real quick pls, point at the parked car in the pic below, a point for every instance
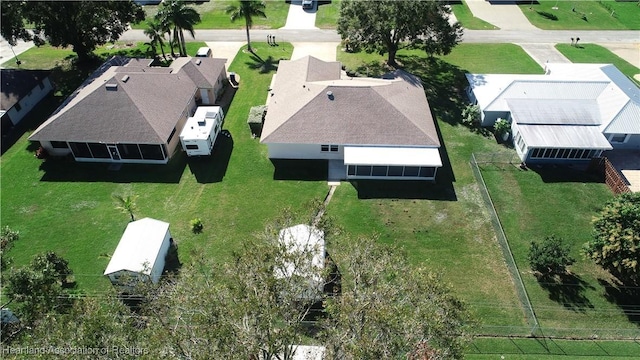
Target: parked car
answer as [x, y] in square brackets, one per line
[307, 4]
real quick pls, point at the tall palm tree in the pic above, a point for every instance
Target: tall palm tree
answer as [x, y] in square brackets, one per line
[247, 10]
[155, 32]
[174, 13]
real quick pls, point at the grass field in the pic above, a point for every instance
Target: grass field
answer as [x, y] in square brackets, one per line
[328, 14]
[213, 15]
[593, 53]
[551, 349]
[468, 21]
[583, 15]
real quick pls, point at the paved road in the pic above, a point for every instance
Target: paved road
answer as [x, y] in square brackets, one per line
[471, 36]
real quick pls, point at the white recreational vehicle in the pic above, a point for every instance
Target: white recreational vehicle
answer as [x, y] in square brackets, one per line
[201, 130]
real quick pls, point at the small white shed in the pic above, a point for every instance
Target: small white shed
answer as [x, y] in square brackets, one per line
[140, 253]
[201, 130]
[309, 241]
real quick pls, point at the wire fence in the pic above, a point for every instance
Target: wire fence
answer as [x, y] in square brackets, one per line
[498, 161]
[523, 297]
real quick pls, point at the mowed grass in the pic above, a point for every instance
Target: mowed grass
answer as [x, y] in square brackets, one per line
[551, 349]
[328, 14]
[583, 15]
[559, 201]
[593, 53]
[443, 226]
[68, 208]
[467, 20]
[213, 15]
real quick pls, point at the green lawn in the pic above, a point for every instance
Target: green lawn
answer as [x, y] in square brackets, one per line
[213, 15]
[558, 201]
[67, 207]
[593, 53]
[551, 349]
[583, 15]
[468, 21]
[446, 226]
[328, 14]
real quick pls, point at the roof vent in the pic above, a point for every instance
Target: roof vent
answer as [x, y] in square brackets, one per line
[198, 62]
[330, 94]
[125, 78]
[111, 87]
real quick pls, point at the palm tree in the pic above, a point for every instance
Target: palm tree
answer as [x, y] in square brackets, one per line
[155, 32]
[246, 10]
[174, 13]
[126, 204]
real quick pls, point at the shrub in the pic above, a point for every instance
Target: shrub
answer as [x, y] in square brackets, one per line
[501, 127]
[551, 256]
[471, 115]
[196, 225]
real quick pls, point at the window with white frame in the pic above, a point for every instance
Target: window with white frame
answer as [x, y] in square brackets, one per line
[619, 138]
[569, 154]
[329, 148]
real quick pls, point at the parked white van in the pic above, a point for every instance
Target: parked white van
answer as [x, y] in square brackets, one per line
[204, 52]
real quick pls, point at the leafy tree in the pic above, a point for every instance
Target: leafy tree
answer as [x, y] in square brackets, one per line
[616, 238]
[385, 26]
[240, 309]
[126, 204]
[247, 10]
[175, 14]
[156, 31]
[41, 287]
[389, 309]
[7, 238]
[12, 16]
[551, 256]
[84, 25]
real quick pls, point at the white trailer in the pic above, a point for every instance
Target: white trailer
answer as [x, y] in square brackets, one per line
[201, 130]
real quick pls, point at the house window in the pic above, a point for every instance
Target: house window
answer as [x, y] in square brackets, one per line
[411, 170]
[363, 170]
[351, 170]
[173, 132]
[152, 152]
[129, 151]
[99, 151]
[619, 138]
[18, 107]
[192, 147]
[59, 145]
[327, 148]
[379, 171]
[80, 150]
[395, 170]
[427, 172]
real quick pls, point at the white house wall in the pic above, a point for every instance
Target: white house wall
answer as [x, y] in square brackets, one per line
[490, 117]
[28, 102]
[632, 142]
[303, 151]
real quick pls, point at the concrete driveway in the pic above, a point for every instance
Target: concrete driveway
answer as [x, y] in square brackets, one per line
[225, 50]
[299, 18]
[543, 53]
[504, 16]
[322, 50]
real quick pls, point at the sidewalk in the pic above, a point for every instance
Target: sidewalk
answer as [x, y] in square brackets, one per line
[6, 52]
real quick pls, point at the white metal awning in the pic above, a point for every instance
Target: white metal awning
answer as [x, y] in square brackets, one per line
[369, 155]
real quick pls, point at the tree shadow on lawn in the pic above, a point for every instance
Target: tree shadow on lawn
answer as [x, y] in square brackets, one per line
[443, 83]
[264, 66]
[627, 298]
[212, 168]
[68, 170]
[568, 290]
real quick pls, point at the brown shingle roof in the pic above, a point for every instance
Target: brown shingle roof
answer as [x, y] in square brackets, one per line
[361, 111]
[143, 109]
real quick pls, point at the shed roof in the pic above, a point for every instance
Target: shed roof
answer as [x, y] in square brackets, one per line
[303, 240]
[16, 84]
[139, 246]
[311, 103]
